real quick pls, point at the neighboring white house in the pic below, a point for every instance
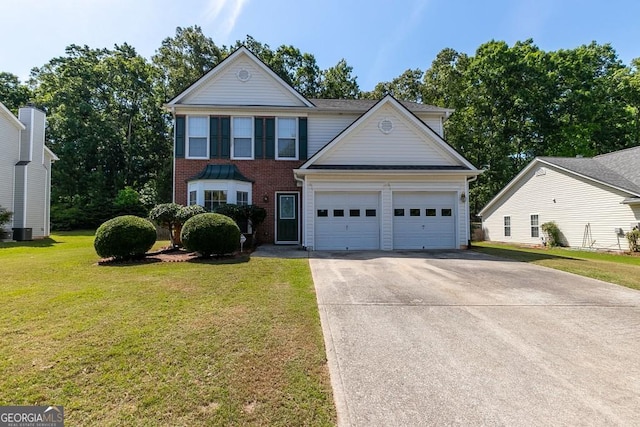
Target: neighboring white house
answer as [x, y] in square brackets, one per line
[594, 201]
[332, 174]
[25, 172]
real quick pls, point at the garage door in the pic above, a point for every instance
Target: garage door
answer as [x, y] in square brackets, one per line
[347, 221]
[424, 220]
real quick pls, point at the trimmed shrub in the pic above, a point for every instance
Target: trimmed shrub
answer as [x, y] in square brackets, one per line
[210, 234]
[125, 237]
[633, 237]
[554, 237]
[187, 212]
[5, 218]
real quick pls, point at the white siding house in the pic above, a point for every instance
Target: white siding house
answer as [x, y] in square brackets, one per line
[25, 171]
[594, 201]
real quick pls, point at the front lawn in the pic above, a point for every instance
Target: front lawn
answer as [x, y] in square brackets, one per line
[161, 343]
[621, 269]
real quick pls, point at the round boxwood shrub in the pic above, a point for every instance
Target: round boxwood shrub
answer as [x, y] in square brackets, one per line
[210, 234]
[125, 237]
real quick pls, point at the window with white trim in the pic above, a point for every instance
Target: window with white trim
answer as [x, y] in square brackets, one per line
[507, 226]
[242, 141]
[193, 198]
[287, 138]
[242, 198]
[214, 198]
[197, 137]
[535, 227]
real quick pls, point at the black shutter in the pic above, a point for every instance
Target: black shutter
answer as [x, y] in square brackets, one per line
[270, 138]
[214, 137]
[302, 138]
[259, 138]
[225, 124]
[180, 136]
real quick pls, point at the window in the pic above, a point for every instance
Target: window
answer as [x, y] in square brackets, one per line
[370, 212]
[322, 213]
[214, 198]
[192, 197]
[242, 145]
[338, 212]
[414, 212]
[198, 131]
[535, 231]
[242, 198]
[430, 212]
[398, 212]
[354, 212]
[287, 133]
[507, 226]
[445, 212]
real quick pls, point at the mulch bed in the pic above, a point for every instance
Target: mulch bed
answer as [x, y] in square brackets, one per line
[176, 255]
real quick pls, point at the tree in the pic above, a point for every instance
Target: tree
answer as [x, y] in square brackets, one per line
[184, 58]
[408, 87]
[13, 94]
[106, 125]
[337, 82]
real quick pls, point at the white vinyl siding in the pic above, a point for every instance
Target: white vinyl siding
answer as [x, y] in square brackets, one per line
[226, 89]
[572, 202]
[405, 144]
[10, 148]
[323, 128]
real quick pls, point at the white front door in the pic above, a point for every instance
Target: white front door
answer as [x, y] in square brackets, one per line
[424, 220]
[347, 220]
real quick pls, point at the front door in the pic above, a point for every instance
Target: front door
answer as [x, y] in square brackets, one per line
[287, 220]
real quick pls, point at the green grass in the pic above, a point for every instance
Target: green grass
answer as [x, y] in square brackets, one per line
[160, 343]
[620, 269]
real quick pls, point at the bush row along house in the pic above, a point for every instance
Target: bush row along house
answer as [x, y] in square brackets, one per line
[333, 174]
[25, 172]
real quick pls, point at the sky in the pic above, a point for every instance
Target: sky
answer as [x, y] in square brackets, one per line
[380, 39]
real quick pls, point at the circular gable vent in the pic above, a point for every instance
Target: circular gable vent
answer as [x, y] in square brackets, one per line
[385, 126]
[243, 74]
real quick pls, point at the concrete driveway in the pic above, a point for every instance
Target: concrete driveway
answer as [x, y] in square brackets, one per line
[460, 338]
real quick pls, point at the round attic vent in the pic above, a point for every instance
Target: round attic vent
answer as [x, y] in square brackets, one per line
[385, 126]
[243, 74]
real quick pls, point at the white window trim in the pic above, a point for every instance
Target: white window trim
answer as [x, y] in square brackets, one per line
[233, 139]
[296, 143]
[531, 226]
[228, 185]
[505, 226]
[187, 138]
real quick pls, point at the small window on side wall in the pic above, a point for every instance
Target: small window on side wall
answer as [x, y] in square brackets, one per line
[535, 227]
[507, 226]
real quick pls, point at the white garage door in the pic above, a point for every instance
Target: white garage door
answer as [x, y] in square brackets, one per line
[424, 220]
[347, 221]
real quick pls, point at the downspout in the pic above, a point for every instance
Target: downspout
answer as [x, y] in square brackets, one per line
[468, 213]
[173, 142]
[303, 233]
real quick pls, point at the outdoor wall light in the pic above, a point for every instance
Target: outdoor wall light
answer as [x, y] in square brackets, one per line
[463, 197]
[265, 198]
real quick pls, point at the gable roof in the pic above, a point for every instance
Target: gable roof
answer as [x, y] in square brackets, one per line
[4, 111]
[202, 81]
[618, 170]
[463, 164]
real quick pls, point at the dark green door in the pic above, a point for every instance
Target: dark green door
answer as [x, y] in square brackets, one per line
[287, 223]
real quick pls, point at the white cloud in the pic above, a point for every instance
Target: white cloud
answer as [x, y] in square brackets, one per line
[224, 14]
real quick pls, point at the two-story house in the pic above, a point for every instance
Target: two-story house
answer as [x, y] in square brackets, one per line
[333, 174]
[25, 172]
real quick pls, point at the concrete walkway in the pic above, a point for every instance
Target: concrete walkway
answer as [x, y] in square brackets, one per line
[460, 338]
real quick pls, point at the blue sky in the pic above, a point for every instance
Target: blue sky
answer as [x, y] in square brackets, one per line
[379, 38]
